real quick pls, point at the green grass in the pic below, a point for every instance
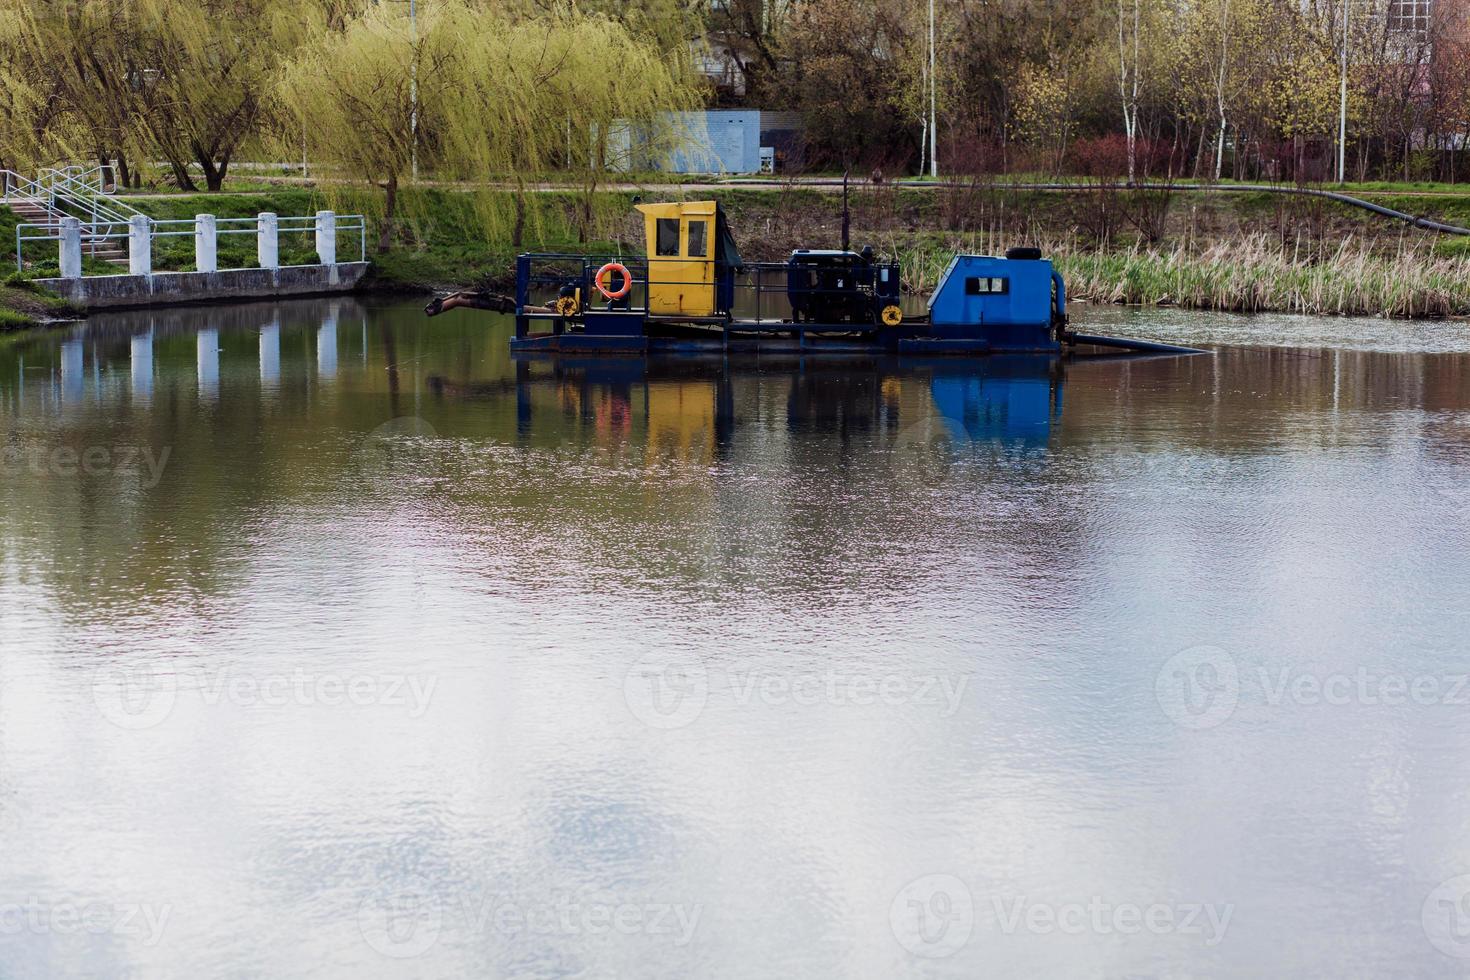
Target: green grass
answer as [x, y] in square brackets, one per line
[25, 304]
[1247, 251]
[15, 320]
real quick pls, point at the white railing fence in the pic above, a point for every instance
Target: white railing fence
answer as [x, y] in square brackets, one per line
[137, 234]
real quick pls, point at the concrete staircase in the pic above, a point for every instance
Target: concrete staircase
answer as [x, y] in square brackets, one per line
[31, 211]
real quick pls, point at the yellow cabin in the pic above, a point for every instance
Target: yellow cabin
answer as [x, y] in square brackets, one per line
[684, 240]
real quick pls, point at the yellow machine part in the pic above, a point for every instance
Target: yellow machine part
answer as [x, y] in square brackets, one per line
[680, 239]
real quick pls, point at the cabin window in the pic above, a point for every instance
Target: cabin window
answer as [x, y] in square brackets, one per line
[698, 239]
[986, 286]
[666, 238]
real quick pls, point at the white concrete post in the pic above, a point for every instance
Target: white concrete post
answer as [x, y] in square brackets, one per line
[71, 248]
[326, 237]
[206, 244]
[140, 246]
[267, 240]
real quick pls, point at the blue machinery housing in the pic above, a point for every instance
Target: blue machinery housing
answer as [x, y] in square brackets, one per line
[692, 293]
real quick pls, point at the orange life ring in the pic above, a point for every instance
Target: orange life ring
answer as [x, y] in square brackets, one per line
[602, 273]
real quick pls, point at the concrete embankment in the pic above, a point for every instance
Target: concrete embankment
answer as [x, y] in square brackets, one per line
[165, 288]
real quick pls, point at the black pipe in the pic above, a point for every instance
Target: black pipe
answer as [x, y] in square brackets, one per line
[1124, 343]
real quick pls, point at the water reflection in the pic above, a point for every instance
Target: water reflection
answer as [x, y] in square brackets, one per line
[140, 364]
[207, 343]
[895, 619]
[270, 355]
[695, 407]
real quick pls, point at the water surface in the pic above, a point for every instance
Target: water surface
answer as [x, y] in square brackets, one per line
[335, 640]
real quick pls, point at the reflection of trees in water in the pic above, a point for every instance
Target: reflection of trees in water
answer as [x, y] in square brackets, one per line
[717, 472]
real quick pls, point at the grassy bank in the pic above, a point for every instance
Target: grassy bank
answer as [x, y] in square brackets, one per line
[24, 304]
[1242, 252]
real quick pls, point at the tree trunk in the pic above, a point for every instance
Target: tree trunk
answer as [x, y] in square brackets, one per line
[390, 206]
[214, 176]
[181, 176]
[123, 173]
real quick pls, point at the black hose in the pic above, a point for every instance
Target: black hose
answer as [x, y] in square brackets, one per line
[1122, 343]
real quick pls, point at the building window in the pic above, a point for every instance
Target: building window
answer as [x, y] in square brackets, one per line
[667, 238]
[1409, 15]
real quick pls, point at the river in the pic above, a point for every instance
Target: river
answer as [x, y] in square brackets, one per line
[335, 640]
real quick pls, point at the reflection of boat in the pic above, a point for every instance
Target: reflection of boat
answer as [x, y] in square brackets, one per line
[690, 407]
[1016, 398]
[692, 293]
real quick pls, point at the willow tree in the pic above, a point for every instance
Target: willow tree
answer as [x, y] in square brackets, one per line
[183, 81]
[209, 65]
[568, 91]
[69, 79]
[480, 93]
[26, 106]
[369, 97]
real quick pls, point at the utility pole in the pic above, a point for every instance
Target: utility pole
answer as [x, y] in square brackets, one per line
[1342, 101]
[413, 88]
[933, 99]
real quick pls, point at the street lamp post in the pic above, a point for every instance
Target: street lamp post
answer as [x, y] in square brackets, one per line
[933, 98]
[413, 89]
[1342, 101]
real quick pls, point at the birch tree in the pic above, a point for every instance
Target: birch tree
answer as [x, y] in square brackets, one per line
[1130, 68]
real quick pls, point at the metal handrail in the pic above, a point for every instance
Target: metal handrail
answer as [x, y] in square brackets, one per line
[93, 232]
[73, 172]
[20, 187]
[87, 197]
[15, 182]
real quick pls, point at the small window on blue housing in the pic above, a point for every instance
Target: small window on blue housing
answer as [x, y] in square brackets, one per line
[983, 286]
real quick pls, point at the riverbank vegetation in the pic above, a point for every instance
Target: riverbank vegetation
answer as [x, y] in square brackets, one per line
[1245, 252]
[25, 304]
